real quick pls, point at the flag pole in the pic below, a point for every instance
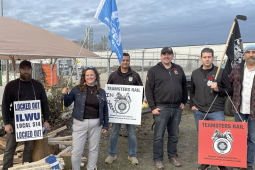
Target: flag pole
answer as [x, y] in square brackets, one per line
[76, 61]
[79, 54]
[241, 17]
[226, 46]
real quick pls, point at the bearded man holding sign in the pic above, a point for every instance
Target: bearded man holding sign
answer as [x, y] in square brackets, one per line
[22, 89]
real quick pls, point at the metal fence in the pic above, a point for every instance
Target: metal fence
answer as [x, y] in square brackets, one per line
[188, 57]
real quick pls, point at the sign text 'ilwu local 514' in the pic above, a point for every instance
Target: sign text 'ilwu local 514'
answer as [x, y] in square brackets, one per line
[124, 103]
[28, 122]
[222, 143]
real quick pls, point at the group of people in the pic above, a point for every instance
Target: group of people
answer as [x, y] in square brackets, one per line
[166, 93]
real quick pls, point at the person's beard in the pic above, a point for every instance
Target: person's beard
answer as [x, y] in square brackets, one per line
[250, 60]
[25, 76]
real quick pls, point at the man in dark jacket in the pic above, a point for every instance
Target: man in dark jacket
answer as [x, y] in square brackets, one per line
[243, 79]
[124, 76]
[22, 89]
[201, 97]
[166, 93]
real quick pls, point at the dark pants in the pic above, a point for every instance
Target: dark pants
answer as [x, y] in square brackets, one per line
[169, 118]
[250, 137]
[9, 151]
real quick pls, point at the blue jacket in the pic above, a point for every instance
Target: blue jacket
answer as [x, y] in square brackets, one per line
[79, 105]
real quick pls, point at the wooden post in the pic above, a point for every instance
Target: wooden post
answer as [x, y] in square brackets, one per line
[41, 149]
[67, 159]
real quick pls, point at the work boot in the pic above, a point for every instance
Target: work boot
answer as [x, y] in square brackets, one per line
[203, 167]
[173, 160]
[110, 159]
[159, 165]
[133, 160]
[250, 168]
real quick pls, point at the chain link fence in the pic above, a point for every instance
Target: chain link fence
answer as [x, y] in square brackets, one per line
[141, 60]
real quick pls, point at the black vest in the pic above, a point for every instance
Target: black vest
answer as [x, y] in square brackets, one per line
[203, 97]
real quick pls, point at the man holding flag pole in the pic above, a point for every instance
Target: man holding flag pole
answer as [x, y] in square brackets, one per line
[234, 51]
[242, 77]
[243, 80]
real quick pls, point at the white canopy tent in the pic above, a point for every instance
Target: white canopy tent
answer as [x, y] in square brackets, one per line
[22, 41]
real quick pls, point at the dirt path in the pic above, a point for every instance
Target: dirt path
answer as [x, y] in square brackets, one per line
[187, 146]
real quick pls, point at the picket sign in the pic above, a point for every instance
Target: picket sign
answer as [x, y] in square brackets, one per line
[222, 143]
[28, 121]
[124, 103]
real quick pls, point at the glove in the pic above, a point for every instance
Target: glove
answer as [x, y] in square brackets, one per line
[54, 164]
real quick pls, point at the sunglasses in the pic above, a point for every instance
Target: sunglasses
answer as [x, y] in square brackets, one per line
[89, 67]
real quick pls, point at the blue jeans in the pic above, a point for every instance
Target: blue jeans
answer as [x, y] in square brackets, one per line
[219, 116]
[169, 118]
[251, 136]
[132, 143]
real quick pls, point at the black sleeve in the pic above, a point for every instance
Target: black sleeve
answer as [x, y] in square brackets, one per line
[140, 83]
[192, 92]
[106, 115]
[44, 104]
[225, 85]
[149, 90]
[184, 88]
[110, 79]
[6, 102]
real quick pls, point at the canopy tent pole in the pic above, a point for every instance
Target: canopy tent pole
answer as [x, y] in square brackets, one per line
[13, 65]
[2, 11]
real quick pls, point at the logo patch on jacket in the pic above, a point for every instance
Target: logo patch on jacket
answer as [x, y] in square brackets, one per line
[209, 83]
[175, 71]
[130, 78]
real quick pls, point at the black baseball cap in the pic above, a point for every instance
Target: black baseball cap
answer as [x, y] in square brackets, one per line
[25, 63]
[167, 49]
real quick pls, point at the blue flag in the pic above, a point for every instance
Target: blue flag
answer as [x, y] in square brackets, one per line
[107, 12]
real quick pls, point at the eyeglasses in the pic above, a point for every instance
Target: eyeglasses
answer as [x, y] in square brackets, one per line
[248, 52]
[89, 67]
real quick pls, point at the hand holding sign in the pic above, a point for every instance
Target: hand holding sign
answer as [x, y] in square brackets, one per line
[47, 125]
[8, 128]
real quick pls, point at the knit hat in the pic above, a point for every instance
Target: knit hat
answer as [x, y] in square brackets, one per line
[249, 47]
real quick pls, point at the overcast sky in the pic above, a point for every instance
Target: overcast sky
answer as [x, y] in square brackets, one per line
[143, 23]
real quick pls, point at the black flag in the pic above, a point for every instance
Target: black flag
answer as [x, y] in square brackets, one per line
[235, 49]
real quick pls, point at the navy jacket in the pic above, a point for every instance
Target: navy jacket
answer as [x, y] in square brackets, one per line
[79, 105]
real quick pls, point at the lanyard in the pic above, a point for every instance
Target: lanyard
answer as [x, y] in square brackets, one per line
[32, 86]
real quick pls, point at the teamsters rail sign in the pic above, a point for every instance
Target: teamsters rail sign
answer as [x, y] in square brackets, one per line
[124, 103]
[28, 122]
[222, 143]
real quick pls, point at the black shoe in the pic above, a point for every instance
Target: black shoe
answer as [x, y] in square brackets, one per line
[224, 168]
[250, 168]
[203, 167]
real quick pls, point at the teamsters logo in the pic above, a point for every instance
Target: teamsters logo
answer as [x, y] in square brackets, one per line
[222, 142]
[122, 103]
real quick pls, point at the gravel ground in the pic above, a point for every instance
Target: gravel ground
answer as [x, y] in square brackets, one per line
[187, 146]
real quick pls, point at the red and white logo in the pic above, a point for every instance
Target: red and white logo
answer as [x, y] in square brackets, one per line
[175, 71]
